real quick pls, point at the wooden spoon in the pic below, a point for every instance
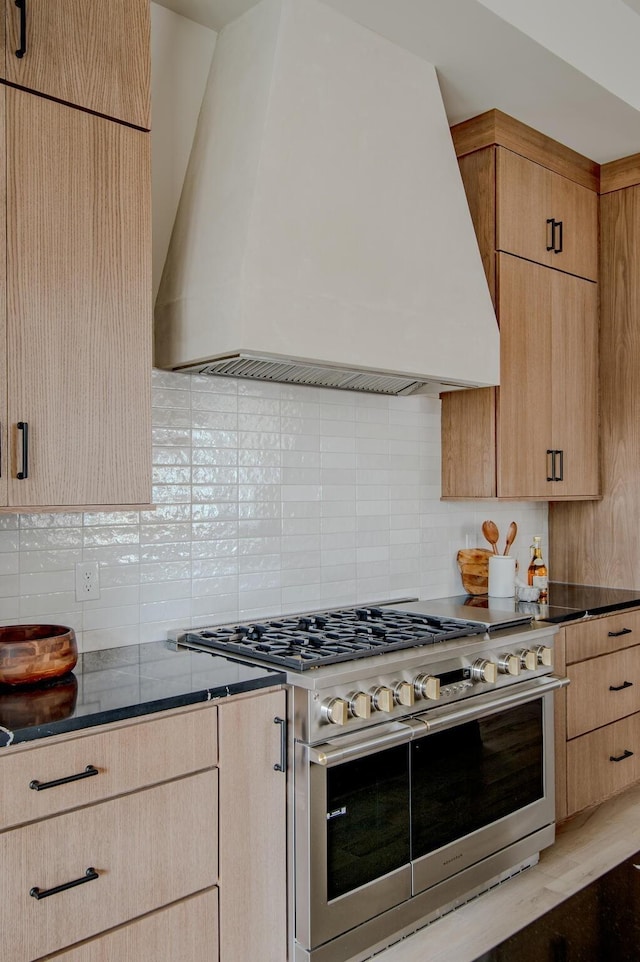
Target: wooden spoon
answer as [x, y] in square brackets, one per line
[491, 533]
[511, 536]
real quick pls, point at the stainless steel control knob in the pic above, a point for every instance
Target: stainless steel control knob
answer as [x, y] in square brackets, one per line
[383, 699]
[404, 694]
[483, 670]
[335, 710]
[427, 686]
[360, 704]
[509, 664]
[528, 659]
[544, 654]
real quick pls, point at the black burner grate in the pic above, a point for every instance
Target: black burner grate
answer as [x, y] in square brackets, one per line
[310, 641]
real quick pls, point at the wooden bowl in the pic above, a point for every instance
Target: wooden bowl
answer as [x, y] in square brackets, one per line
[33, 653]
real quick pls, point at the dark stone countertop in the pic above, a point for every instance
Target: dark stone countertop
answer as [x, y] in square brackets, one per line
[565, 602]
[118, 683]
[569, 602]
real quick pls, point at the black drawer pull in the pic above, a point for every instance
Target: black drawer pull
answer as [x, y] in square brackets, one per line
[88, 876]
[40, 786]
[616, 634]
[625, 684]
[22, 49]
[620, 758]
[281, 766]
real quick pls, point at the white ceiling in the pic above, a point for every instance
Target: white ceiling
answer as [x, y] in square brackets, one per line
[483, 62]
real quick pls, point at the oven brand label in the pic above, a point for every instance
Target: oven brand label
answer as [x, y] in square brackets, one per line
[337, 813]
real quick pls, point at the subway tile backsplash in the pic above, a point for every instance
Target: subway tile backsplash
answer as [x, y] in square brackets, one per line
[269, 498]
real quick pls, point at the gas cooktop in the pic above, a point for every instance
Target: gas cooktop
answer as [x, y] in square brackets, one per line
[312, 640]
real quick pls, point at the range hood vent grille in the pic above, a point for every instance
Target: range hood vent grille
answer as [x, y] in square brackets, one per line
[286, 371]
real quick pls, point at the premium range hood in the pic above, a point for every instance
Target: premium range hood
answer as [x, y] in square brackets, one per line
[323, 236]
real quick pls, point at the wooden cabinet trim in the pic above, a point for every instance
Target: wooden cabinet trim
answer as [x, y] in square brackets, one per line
[619, 174]
[496, 127]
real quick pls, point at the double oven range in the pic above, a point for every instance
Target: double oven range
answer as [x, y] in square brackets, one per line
[422, 760]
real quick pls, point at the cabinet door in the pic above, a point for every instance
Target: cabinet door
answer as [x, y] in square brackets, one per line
[78, 305]
[528, 197]
[574, 380]
[253, 837]
[524, 416]
[91, 54]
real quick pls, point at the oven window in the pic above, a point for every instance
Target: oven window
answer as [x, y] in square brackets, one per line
[473, 774]
[367, 819]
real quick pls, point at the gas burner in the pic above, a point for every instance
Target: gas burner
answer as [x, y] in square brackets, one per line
[308, 641]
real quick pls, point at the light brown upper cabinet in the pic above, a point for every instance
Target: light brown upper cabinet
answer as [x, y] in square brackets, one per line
[545, 217]
[77, 309]
[90, 53]
[536, 436]
[547, 404]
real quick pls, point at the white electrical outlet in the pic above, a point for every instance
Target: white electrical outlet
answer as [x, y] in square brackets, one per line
[87, 581]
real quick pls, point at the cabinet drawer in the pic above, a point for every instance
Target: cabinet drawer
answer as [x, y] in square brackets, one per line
[602, 635]
[148, 849]
[592, 774]
[603, 690]
[126, 759]
[186, 931]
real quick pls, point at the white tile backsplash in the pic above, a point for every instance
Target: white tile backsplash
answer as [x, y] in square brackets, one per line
[269, 498]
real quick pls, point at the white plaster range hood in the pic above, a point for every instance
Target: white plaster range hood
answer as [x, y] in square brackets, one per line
[323, 236]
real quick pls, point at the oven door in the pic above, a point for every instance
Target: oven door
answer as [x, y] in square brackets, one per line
[383, 815]
[482, 777]
[352, 831]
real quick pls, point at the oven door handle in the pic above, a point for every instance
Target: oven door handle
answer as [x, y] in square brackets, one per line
[329, 755]
[437, 720]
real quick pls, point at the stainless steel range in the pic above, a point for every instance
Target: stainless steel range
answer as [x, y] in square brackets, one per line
[422, 760]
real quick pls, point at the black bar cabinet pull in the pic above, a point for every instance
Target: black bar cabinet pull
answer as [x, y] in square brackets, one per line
[22, 49]
[559, 248]
[551, 233]
[616, 634]
[24, 473]
[625, 684]
[620, 758]
[40, 786]
[560, 475]
[88, 876]
[281, 766]
[551, 472]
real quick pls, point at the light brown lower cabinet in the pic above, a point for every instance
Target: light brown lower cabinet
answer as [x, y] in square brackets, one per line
[598, 715]
[173, 848]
